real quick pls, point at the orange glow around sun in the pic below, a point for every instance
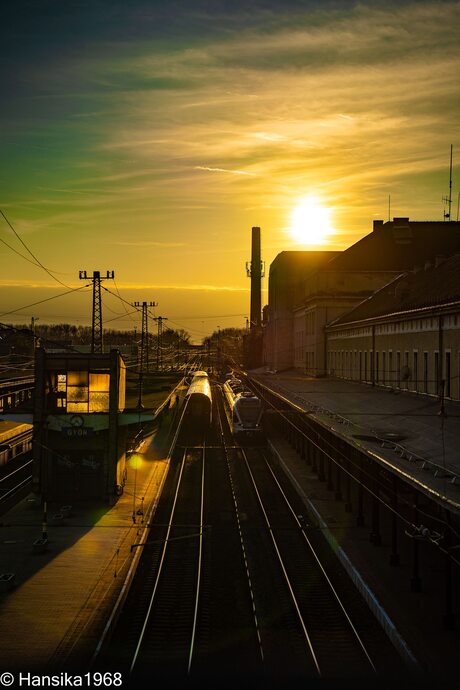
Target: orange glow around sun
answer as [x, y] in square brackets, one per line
[311, 222]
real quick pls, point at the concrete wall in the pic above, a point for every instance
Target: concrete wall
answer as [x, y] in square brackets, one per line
[413, 354]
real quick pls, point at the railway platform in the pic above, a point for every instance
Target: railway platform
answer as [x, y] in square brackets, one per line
[54, 597]
[412, 617]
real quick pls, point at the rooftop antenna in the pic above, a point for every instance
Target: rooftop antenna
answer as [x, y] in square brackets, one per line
[448, 199]
[389, 207]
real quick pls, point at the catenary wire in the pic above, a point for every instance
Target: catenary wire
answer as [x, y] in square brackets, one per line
[38, 262]
[42, 301]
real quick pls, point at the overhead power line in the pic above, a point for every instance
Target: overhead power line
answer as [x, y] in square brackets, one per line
[48, 299]
[38, 262]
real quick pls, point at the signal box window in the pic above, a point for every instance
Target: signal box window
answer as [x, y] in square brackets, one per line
[81, 391]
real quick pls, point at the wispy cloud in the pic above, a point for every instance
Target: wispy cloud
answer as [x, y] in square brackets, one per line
[223, 170]
[186, 288]
[350, 101]
[168, 245]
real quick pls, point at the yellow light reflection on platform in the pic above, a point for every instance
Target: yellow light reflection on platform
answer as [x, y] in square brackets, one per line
[136, 461]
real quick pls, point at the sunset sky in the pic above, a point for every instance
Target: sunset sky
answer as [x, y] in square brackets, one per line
[149, 137]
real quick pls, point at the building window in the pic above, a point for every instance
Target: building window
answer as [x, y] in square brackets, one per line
[415, 372]
[398, 369]
[425, 372]
[384, 364]
[447, 388]
[458, 375]
[365, 365]
[361, 366]
[390, 367]
[61, 390]
[80, 391]
[406, 370]
[99, 385]
[77, 391]
[377, 367]
[436, 373]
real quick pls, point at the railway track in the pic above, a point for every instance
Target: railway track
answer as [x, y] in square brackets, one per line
[232, 581]
[315, 615]
[167, 635]
[15, 482]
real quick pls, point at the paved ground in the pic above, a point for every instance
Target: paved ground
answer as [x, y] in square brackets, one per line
[417, 616]
[58, 593]
[427, 443]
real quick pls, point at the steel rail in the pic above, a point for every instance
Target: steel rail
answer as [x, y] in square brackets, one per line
[160, 567]
[16, 488]
[333, 590]
[130, 575]
[19, 469]
[283, 568]
[235, 502]
[200, 553]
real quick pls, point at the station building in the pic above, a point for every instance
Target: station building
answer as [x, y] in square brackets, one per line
[405, 336]
[289, 276]
[79, 441]
[310, 290]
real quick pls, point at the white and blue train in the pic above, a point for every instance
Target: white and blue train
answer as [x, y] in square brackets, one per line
[243, 409]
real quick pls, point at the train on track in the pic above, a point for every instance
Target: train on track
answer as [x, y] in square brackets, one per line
[15, 440]
[243, 409]
[199, 402]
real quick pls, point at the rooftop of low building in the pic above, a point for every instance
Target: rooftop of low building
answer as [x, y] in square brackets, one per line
[433, 284]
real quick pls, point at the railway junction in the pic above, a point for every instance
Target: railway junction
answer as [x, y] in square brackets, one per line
[225, 584]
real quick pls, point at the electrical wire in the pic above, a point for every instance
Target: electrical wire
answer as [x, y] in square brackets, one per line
[48, 299]
[116, 318]
[28, 332]
[212, 316]
[18, 253]
[356, 467]
[38, 262]
[120, 297]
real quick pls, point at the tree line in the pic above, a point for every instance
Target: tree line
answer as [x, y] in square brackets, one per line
[19, 339]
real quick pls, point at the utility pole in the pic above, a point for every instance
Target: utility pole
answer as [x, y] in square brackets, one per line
[159, 320]
[208, 347]
[32, 328]
[96, 331]
[448, 199]
[144, 353]
[144, 349]
[218, 350]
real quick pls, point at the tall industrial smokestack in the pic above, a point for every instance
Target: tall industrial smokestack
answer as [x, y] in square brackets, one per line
[254, 270]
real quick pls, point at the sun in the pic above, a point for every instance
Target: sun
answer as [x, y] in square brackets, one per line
[311, 222]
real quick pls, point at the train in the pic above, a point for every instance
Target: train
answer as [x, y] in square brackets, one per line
[199, 402]
[200, 375]
[243, 409]
[15, 440]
